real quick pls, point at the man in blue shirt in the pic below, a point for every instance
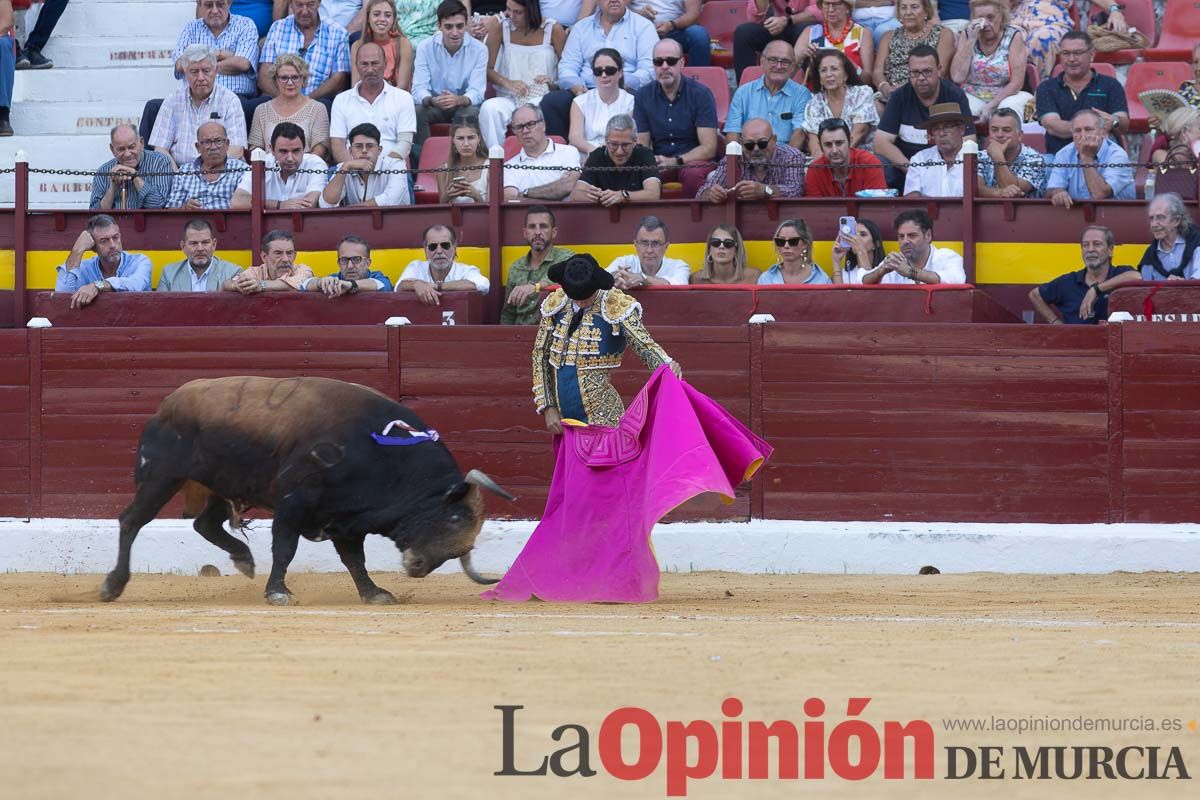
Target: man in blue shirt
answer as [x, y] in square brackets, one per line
[1092, 167]
[110, 270]
[323, 44]
[354, 273]
[1081, 297]
[449, 72]
[774, 97]
[613, 25]
[1079, 86]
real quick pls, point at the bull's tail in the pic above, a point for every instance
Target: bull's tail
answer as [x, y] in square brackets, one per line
[196, 497]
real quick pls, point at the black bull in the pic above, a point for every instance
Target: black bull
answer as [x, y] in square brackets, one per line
[301, 448]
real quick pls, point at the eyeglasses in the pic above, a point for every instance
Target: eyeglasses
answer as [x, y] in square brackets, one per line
[288, 78]
[211, 142]
[619, 145]
[779, 62]
[434, 246]
[719, 243]
[1161, 217]
[922, 73]
[752, 145]
[669, 61]
[525, 126]
[1074, 53]
[607, 71]
[790, 241]
[345, 261]
[649, 243]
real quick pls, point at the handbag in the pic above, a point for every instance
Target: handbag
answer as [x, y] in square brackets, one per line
[1177, 173]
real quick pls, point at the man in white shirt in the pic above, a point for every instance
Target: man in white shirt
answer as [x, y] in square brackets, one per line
[440, 273]
[650, 266]
[283, 185]
[917, 261]
[367, 177]
[373, 100]
[938, 171]
[540, 151]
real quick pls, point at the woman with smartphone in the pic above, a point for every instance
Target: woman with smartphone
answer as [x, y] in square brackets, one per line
[856, 254]
[466, 177]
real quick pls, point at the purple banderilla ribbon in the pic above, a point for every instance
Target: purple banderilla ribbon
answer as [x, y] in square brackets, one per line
[414, 436]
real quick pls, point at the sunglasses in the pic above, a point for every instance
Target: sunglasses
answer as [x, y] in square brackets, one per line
[791, 241]
[752, 145]
[718, 243]
[607, 71]
[434, 246]
[669, 61]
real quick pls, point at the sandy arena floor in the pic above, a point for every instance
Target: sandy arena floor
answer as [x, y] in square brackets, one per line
[193, 687]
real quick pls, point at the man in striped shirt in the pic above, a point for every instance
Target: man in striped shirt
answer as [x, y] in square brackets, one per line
[202, 100]
[232, 36]
[140, 178]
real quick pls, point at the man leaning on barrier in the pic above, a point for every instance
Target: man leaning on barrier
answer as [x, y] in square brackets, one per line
[354, 273]
[136, 177]
[1174, 254]
[201, 271]
[770, 169]
[110, 270]
[917, 260]
[441, 272]
[369, 177]
[543, 169]
[1081, 297]
[293, 179]
[1091, 167]
[620, 172]
[209, 181]
[649, 266]
[528, 275]
[278, 272]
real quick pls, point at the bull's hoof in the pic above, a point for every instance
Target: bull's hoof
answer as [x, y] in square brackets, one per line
[380, 598]
[280, 599]
[110, 590]
[246, 567]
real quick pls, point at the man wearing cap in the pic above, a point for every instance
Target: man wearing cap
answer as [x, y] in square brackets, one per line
[937, 171]
[585, 327]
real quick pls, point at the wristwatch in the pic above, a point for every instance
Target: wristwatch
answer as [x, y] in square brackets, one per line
[1114, 8]
[769, 191]
[625, 194]
[438, 284]
[262, 286]
[679, 161]
[537, 286]
[353, 287]
[100, 285]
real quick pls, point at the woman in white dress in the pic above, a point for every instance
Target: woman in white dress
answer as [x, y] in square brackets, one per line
[523, 51]
[591, 111]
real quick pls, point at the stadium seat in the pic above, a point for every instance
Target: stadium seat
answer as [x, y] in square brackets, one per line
[1100, 67]
[512, 144]
[434, 153]
[1139, 14]
[720, 18]
[715, 79]
[1180, 32]
[1145, 75]
[1035, 140]
[750, 74]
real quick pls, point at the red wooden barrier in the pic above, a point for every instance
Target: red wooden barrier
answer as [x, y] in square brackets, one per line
[1174, 300]
[14, 424]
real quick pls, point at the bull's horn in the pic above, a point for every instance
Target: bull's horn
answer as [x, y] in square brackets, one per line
[477, 478]
[472, 574]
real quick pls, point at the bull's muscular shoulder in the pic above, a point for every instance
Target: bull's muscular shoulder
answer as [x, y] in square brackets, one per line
[616, 306]
[554, 303]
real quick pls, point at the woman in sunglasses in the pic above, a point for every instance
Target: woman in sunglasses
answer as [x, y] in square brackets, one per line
[591, 111]
[725, 259]
[793, 244]
[854, 259]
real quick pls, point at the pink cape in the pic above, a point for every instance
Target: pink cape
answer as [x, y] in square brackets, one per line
[611, 485]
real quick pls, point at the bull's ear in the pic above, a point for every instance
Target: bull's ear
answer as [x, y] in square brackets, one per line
[457, 492]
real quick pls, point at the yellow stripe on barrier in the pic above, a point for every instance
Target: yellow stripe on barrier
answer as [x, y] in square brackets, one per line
[7, 269]
[1033, 262]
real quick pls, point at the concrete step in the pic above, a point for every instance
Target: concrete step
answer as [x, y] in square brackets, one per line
[40, 119]
[112, 85]
[117, 51]
[98, 20]
[77, 152]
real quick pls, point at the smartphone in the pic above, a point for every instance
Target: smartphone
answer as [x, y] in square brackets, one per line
[460, 179]
[847, 230]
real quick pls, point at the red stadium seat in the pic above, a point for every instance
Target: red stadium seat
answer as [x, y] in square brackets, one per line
[512, 144]
[1035, 140]
[1145, 75]
[750, 74]
[720, 18]
[434, 153]
[1100, 67]
[1180, 32]
[715, 79]
[1139, 14]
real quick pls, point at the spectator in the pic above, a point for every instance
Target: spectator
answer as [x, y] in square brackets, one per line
[279, 271]
[604, 182]
[260, 12]
[381, 29]
[200, 101]
[954, 14]
[1008, 167]
[234, 40]
[450, 73]
[855, 258]
[200, 270]
[1081, 297]
[677, 117]
[725, 260]
[1046, 23]
[837, 31]
[918, 28]
[538, 151]
[675, 20]
[368, 177]
[793, 245]
[900, 135]
[878, 16]
[209, 181]
[917, 261]
[843, 96]
[591, 111]
[1092, 167]
[294, 178]
[8, 37]
[1172, 254]
[418, 19]
[769, 170]
[321, 43]
[770, 21]
[466, 177]
[354, 273]
[613, 25]
[1180, 129]
[290, 72]
[1078, 87]
[347, 14]
[938, 171]
[649, 266]
[30, 55]
[140, 178]
[523, 51]
[774, 97]
[564, 12]
[110, 270]
[527, 275]
[989, 61]
[441, 273]
[841, 170]
[376, 101]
